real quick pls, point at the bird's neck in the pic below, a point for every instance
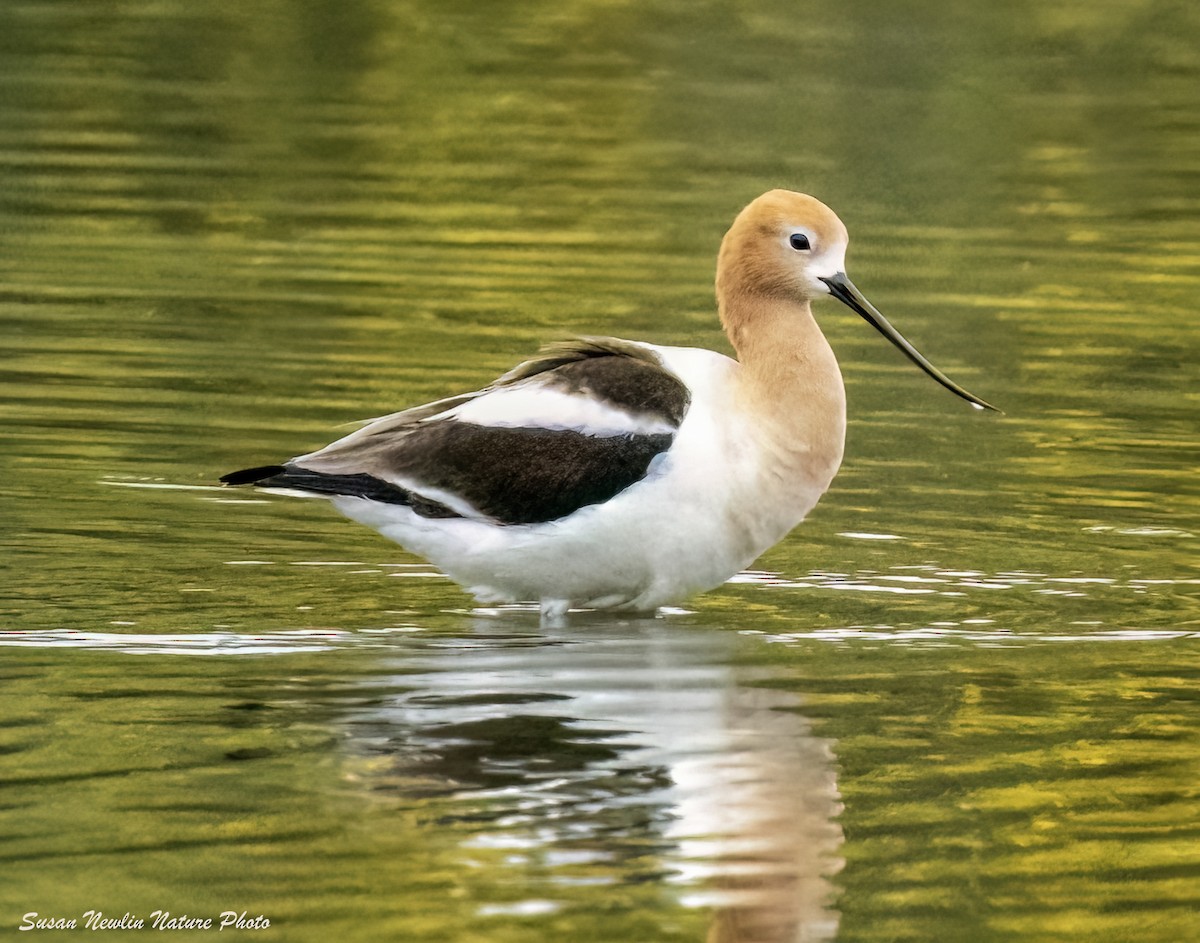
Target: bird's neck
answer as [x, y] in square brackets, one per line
[789, 387]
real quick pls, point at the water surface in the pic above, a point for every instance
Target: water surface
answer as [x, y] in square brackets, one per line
[958, 702]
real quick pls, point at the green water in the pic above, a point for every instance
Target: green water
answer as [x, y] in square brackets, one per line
[958, 703]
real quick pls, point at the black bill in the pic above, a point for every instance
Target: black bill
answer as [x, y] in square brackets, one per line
[844, 291]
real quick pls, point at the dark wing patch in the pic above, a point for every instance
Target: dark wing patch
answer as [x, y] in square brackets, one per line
[523, 476]
[513, 476]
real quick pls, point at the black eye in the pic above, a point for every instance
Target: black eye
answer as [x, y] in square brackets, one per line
[799, 242]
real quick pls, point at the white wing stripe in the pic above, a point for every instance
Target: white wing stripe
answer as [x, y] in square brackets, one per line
[454, 502]
[538, 406]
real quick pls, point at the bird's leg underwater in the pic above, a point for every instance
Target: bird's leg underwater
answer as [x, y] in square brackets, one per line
[554, 613]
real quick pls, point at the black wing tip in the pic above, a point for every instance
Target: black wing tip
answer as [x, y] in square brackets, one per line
[352, 486]
[249, 476]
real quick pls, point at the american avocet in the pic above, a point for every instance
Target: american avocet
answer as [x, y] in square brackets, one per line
[609, 473]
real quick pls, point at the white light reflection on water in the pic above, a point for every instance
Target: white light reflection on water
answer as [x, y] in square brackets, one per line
[191, 643]
[931, 580]
[951, 634]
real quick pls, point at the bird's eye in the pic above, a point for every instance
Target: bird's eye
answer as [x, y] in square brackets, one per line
[799, 242]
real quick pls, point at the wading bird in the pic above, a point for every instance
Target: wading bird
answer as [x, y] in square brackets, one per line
[608, 473]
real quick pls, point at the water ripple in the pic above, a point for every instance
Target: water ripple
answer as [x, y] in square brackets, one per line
[200, 643]
[933, 580]
[946, 634]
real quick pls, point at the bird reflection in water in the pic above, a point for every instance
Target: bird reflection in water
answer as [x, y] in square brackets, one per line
[635, 743]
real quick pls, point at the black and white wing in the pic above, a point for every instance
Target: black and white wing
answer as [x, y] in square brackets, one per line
[573, 427]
